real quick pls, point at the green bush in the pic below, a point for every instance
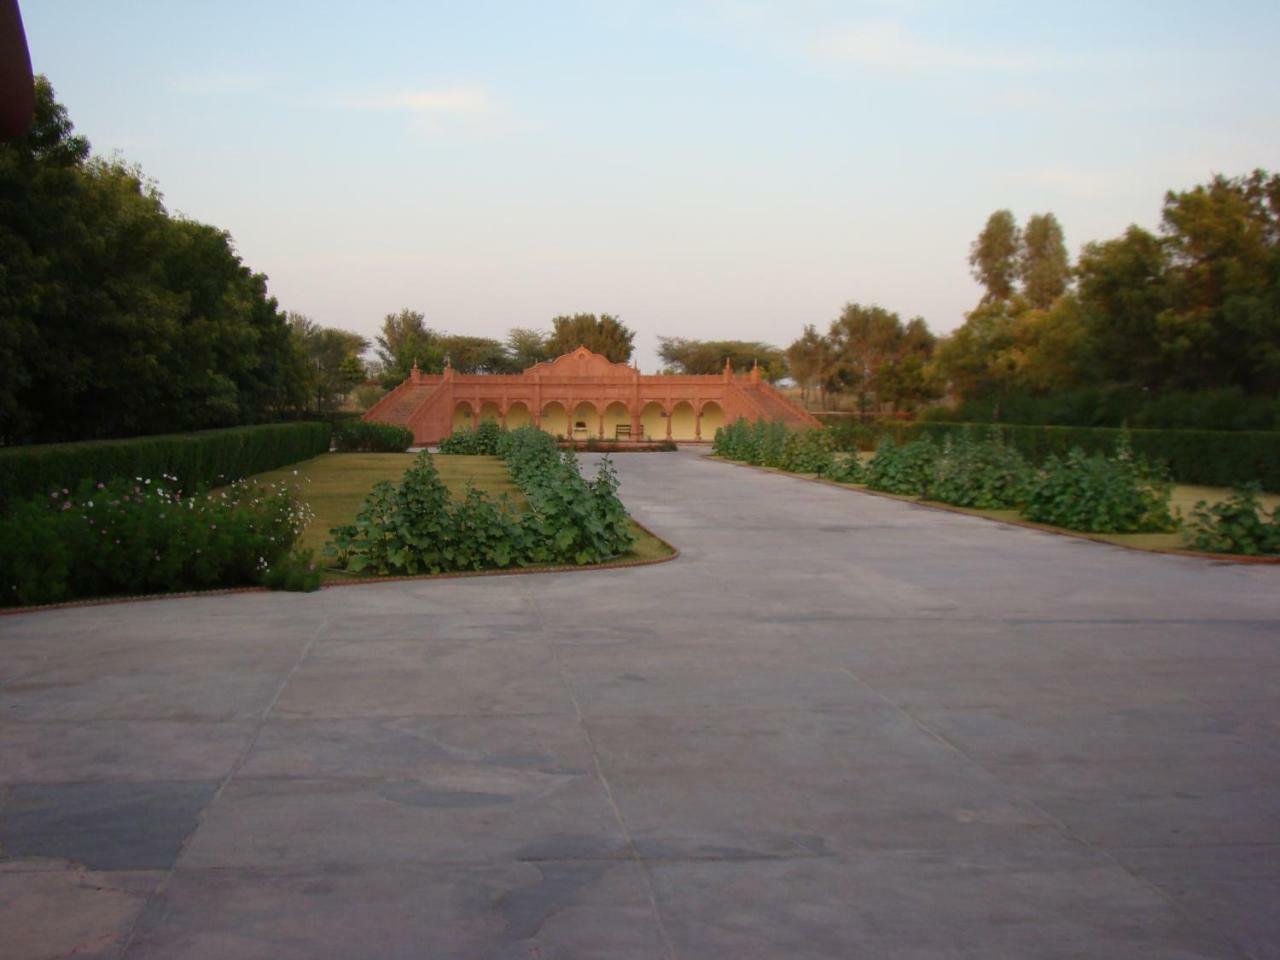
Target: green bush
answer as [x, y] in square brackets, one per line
[1238, 524]
[1100, 494]
[482, 441]
[903, 470]
[808, 451]
[128, 537]
[985, 474]
[371, 437]
[416, 526]
[1218, 458]
[207, 457]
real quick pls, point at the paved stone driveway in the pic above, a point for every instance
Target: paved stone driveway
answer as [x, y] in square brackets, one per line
[838, 726]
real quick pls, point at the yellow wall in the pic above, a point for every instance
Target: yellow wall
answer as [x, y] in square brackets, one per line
[652, 422]
[614, 415]
[712, 420]
[518, 416]
[489, 411]
[555, 420]
[586, 414]
[462, 417]
[682, 422]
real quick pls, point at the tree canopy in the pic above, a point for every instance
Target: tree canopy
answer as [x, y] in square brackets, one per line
[708, 356]
[120, 318]
[606, 335]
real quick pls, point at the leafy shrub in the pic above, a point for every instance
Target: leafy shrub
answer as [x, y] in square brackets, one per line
[1238, 524]
[135, 536]
[1219, 458]
[845, 468]
[417, 526]
[296, 572]
[1100, 494]
[206, 457]
[371, 437]
[985, 474]
[848, 433]
[482, 441]
[808, 451]
[906, 470]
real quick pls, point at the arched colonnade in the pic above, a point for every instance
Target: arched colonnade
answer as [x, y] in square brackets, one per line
[601, 420]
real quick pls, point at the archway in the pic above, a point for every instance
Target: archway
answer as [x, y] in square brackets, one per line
[712, 419]
[463, 417]
[518, 415]
[490, 411]
[683, 424]
[616, 415]
[586, 421]
[555, 420]
[653, 421]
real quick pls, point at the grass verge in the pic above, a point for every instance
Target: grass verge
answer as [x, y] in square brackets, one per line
[335, 484]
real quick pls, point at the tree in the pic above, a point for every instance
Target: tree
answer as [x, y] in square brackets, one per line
[476, 354]
[709, 356]
[813, 363]
[119, 318]
[606, 335]
[333, 359]
[1043, 265]
[405, 340]
[525, 347]
[994, 256]
[865, 339]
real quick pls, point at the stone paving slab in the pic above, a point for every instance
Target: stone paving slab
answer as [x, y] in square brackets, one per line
[836, 726]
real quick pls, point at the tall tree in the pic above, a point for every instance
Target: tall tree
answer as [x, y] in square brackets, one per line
[606, 335]
[526, 347]
[993, 257]
[812, 362]
[333, 359]
[1043, 265]
[709, 356]
[475, 354]
[865, 339]
[405, 339]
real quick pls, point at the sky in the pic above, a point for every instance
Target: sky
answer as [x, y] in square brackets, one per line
[723, 169]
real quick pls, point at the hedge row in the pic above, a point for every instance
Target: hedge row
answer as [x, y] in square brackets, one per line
[1216, 458]
[206, 457]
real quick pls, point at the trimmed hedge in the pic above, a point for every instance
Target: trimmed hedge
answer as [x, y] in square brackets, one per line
[371, 436]
[206, 457]
[1216, 458]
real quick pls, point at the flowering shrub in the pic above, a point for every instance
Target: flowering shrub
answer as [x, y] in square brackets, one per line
[416, 526]
[135, 536]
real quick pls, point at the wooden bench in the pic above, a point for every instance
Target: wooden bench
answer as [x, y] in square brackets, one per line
[621, 431]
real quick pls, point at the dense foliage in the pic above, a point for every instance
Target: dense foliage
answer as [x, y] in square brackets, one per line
[209, 457]
[371, 436]
[1100, 494]
[1238, 524]
[772, 444]
[416, 526]
[1220, 458]
[1179, 328]
[131, 536]
[703, 357]
[482, 441]
[118, 318]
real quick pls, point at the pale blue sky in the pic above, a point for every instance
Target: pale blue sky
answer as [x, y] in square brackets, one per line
[711, 170]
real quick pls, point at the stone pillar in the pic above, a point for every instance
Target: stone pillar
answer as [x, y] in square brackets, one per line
[668, 416]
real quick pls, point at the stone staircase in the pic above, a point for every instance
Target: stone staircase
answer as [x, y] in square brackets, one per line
[773, 405]
[401, 403]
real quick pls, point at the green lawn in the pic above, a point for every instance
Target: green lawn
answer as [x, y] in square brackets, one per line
[335, 484]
